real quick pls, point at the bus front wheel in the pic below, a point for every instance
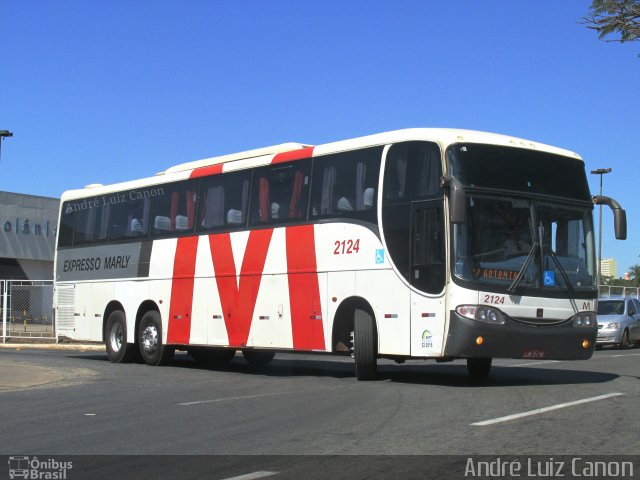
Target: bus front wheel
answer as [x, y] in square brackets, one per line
[479, 368]
[153, 351]
[115, 339]
[364, 345]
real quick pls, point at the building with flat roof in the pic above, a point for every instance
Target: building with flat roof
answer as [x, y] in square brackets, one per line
[609, 267]
[27, 236]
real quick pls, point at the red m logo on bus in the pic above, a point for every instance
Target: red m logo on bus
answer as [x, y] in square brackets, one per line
[238, 290]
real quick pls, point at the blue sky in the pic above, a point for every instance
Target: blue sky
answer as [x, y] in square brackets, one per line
[107, 91]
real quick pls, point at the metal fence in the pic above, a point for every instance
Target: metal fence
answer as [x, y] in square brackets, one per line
[27, 309]
[606, 291]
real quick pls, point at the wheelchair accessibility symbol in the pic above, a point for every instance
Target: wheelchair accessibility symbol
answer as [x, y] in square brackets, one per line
[549, 279]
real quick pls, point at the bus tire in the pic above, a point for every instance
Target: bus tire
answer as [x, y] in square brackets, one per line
[258, 357]
[153, 351]
[115, 339]
[479, 368]
[364, 345]
[212, 357]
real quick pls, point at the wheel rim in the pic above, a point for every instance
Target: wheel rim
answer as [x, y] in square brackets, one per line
[150, 339]
[116, 337]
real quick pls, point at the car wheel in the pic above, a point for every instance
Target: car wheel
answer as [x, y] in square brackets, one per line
[115, 339]
[153, 351]
[625, 343]
[479, 368]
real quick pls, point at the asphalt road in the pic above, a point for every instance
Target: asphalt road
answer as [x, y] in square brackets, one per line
[312, 405]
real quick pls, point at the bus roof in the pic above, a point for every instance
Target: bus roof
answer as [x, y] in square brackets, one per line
[258, 152]
[262, 156]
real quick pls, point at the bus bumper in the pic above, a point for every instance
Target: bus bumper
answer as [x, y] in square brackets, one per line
[513, 339]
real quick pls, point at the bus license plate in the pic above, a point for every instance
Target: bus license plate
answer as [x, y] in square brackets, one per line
[533, 354]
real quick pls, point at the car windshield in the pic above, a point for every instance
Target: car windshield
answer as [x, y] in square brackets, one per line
[545, 246]
[611, 307]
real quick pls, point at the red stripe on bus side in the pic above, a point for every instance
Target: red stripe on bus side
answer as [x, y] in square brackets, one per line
[206, 171]
[304, 289]
[293, 155]
[184, 268]
[238, 299]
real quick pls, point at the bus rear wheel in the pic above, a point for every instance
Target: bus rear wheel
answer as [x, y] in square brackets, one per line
[479, 368]
[212, 357]
[364, 345]
[153, 351]
[115, 339]
[258, 357]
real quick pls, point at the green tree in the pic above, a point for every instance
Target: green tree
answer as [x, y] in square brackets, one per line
[635, 273]
[620, 17]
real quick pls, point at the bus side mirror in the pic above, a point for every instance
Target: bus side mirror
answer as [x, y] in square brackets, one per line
[457, 199]
[619, 215]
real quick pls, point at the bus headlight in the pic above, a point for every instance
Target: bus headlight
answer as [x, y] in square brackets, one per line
[481, 313]
[584, 319]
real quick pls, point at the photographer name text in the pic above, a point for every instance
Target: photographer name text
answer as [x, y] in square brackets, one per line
[576, 467]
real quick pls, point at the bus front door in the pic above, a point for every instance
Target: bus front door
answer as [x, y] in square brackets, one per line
[427, 277]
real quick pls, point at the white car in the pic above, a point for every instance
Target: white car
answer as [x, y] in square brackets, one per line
[618, 322]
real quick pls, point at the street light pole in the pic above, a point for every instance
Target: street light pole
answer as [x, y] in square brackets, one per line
[4, 134]
[601, 172]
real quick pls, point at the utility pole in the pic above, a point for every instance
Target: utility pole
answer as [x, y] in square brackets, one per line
[601, 172]
[4, 134]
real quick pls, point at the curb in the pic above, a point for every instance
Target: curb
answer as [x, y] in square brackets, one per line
[53, 346]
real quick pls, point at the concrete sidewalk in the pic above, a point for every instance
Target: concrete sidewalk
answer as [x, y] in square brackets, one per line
[18, 375]
[79, 347]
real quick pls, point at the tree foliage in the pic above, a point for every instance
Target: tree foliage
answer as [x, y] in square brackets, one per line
[635, 273]
[615, 17]
[634, 270]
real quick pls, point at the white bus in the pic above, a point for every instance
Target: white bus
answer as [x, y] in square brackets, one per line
[414, 244]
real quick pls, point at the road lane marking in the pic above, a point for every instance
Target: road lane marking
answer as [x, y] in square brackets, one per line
[599, 357]
[252, 476]
[226, 399]
[533, 363]
[543, 410]
[259, 395]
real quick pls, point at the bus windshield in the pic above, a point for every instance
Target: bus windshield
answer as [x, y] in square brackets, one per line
[519, 170]
[510, 243]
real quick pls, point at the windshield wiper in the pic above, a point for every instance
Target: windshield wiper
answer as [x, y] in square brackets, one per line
[520, 275]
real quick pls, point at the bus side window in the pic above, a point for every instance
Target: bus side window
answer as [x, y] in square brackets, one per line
[280, 193]
[412, 175]
[345, 184]
[67, 224]
[129, 218]
[92, 222]
[224, 200]
[412, 172]
[174, 209]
